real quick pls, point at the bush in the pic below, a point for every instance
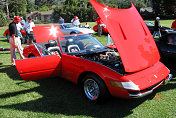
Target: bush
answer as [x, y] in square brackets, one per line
[3, 20]
[38, 22]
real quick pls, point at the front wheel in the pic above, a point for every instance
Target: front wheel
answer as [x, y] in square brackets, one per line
[94, 88]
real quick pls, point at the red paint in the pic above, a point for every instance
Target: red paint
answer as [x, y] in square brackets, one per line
[45, 33]
[7, 32]
[104, 29]
[134, 40]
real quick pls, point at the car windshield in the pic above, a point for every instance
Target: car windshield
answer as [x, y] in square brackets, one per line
[68, 25]
[149, 24]
[80, 44]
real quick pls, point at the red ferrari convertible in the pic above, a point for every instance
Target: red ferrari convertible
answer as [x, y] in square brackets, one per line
[130, 70]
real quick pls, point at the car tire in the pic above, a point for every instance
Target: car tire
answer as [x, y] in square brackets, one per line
[94, 88]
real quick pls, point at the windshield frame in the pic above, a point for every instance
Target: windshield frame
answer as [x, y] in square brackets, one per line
[65, 25]
[85, 51]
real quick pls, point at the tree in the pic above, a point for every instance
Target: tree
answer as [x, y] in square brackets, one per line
[30, 6]
[47, 3]
[163, 8]
[71, 2]
[17, 7]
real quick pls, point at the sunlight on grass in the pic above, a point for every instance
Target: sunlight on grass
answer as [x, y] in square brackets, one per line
[22, 98]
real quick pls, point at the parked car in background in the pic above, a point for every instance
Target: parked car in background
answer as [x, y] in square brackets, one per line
[164, 30]
[7, 33]
[68, 29]
[167, 45]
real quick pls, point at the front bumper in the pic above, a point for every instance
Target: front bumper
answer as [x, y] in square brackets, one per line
[142, 93]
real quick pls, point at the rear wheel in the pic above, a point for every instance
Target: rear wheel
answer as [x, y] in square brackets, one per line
[94, 88]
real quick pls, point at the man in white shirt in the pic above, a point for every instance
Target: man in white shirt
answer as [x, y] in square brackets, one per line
[29, 31]
[75, 21]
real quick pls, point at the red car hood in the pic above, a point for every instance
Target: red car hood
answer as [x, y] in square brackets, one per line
[131, 36]
[47, 32]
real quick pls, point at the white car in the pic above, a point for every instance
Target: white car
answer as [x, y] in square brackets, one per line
[68, 29]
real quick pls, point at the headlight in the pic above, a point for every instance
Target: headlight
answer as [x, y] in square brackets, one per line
[126, 85]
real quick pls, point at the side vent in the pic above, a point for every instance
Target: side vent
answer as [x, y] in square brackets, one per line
[144, 29]
[123, 32]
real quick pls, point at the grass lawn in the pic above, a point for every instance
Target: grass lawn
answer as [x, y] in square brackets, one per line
[56, 97]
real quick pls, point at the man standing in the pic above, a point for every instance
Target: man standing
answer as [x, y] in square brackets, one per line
[14, 39]
[157, 28]
[174, 25]
[61, 20]
[76, 21]
[29, 31]
[99, 22]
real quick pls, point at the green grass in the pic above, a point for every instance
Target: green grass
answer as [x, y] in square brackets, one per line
[56, 97]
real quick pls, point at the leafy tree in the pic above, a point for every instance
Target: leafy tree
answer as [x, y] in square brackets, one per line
[30, 6]
[71, 2]
[163, 8]
[17, 7]
[47, 3]
[44, 8]
[3, 19]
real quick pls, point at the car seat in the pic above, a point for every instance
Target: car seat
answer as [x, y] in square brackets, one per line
[53, 46]
[71, 46]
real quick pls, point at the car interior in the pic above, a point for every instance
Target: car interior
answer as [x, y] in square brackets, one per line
[51, 47]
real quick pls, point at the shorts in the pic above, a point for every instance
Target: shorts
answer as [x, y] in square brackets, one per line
[30, 36]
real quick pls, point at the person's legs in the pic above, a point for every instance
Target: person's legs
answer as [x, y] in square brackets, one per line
[12, 50]
[99, 30]
[27, 38]
[154, 34]
[19, 47]
[159, 34]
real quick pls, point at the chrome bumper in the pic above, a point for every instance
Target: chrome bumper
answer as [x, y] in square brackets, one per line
[169, 77]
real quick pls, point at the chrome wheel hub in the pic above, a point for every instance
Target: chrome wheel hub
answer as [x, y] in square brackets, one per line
[91, 89]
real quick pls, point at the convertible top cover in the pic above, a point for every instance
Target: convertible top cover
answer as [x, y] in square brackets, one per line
[131, 36]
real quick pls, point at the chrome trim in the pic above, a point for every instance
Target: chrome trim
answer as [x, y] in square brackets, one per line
[145, 93]
[168, 79]
[141, 94]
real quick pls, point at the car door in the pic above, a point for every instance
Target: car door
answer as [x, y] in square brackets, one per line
[39, 67]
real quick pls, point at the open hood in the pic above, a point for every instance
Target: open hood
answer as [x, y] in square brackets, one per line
[47, 32]
[131, 36]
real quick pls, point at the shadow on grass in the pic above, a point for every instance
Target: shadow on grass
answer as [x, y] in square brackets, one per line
[4, 40]
[63, 97]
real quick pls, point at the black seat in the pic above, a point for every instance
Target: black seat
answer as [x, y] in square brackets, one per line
[53, 46]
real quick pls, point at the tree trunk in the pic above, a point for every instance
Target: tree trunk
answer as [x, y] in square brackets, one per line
[7, 9]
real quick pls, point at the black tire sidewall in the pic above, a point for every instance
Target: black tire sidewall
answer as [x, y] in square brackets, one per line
[103, 95]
